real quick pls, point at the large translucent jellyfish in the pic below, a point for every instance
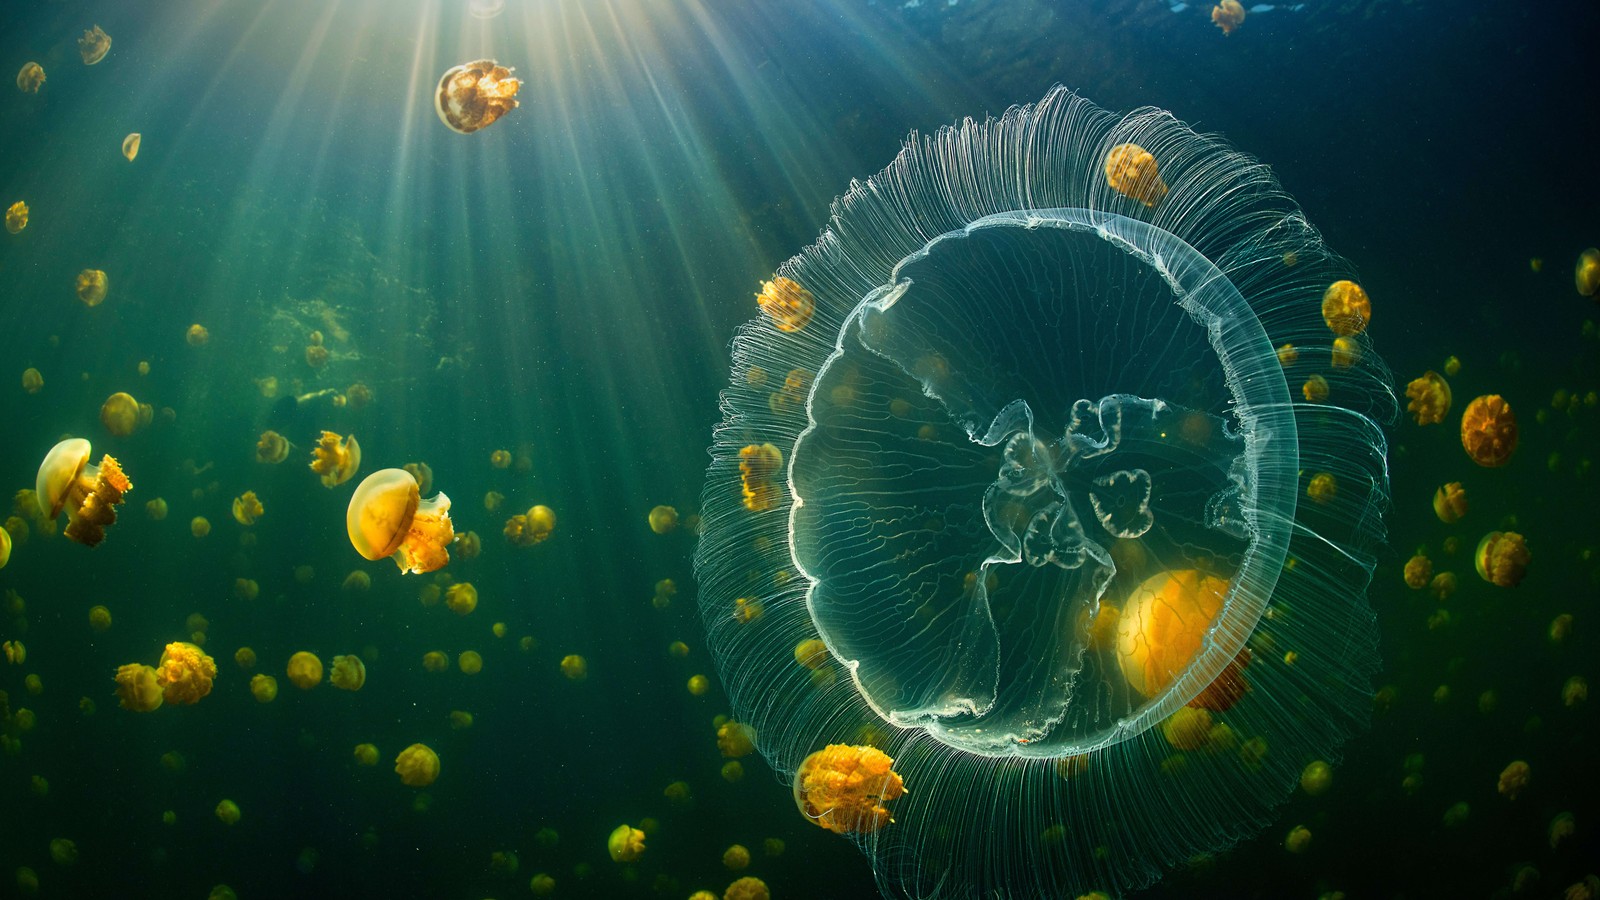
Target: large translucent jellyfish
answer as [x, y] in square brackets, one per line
[1038, 497]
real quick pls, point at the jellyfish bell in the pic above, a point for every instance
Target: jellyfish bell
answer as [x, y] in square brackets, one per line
[94, 45]
[388, 517]
[473, 95]
[130, 145]
[30, 78]
[1083, 531]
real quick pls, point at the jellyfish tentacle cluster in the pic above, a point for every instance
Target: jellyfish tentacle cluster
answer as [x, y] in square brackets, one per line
[1037, 483]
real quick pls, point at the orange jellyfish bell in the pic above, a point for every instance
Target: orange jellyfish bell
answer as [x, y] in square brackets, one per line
[1489, 431]
[1228, 15]
[130, 146]
[120, 414]
[1131, 170]
[94, 45]
[473, 95]
[1428, 398]
[17, 217]
[388, 517]
[89, 494]
[92, 286]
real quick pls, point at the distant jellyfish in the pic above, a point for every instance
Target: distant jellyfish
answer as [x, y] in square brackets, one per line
[130, 146]
[1429, 398]
[94, 45]
[473, 95]
[138, 688]
[197, 335]
[92, 286]
[264, 688]
[533, 527]
[120, 414]
[485, 9]
[271, 448]
[1502, 558]
[1514, 779]
[1227, 15]
[1586, 275]
[247, 508]
[228, 812]
[1450, 502]
[387, 517]
[32, 381]
[305, 670]
[417, 765]
[30, 78]
[87, 493]
[625, 843]
[17, 217]
[335, 459]
[349, 673]
[1418, 572]
[663, 519]
[1489, 431]
[1107, 515]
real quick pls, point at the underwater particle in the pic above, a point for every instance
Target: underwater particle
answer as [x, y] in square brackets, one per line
[137, 688]
[736, 740]
[89, 494]
[197, 335]
[747, 888]
[120, 414]
[30, 78]
[1428, 398]
[811, 653]
[94, 45]
[32, 381]
[245, 657]
[461, 598]
[1574, 691]
[366, 754]
[1562, 827]
[1131, 171]
[1418, 572]
[1502, 558]
[16, 220]
[574, 667]
[357, 582]
[542, 885]
[758, 468]
[625, 843]
[99, 618]
[1322, 488]
[247, 508]
[736, 858]
[387, 517]
[228, 812]
[1299, 839]
[698, 685]
[335, 459]
[1586, 274]
[1227, 15]
[469, 662]
[349, 673]
[130, 145]
[264, 688]
[474, 95]
[1189, 728]
[663, 519]
[434, 661]
[1316, 778]
[185, 673]
[1450, 502]
[1346, 309]
[417, 765]
[305, 670]
[1514, 779]
[845, 788]
[1315, 389]
[92, 285]
[1489, 431]
[271, 448]
[1443, 586]
[788, 305]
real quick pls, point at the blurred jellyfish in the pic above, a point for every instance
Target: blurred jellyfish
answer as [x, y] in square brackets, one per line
[17, 219]
[786, 303]
[574, 667]
[228, 812]
[1450, 503]
[474, 95]
[532, 527]
[130, 145]
[32, 381]
[1114, 430]
[197, 335]
[1586, 275]
[1489, 431]
[30, 78]
[89, 494]
[92, 286]
[663, 519]
[1574, 691]
[461, 598]
[625, 844]
[747, 888]
[1429, 398]
[417, 765]
[1418, 572]
[1227, 15]
[94, 45]
[349, 673]
[388, 517]
[1513, 779]
[264, 688]
[1502, 558]
[247, 508]
[272, 448]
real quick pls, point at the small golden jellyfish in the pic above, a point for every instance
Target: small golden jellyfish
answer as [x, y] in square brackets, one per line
[99, 618]
[575, 667]
[185, 673]
[470, 662]
[1346, 353]
[94, 45]
[1450, 503]
[305, 670]
[92, 286]
[246, 589]
[471, 545]
[1502, 558]
[349, 673]
[271, 448]
[461, 598]
[264, 688]
[32, 381]
[698, 685]
[1428, 398]
[1345, 308]
[1187, 729]
[30, 78]
[542, 885]
[1288, 355]
[1513, 779]
[89, 494]
[197, 335]
[492, 500]
[5, 547]
[199, 526]
[1489, 431]
[845, 788]
[532, 527]
[1586, 276]
[759, 465]
[1322, 488]
[736, 740]
[17, 218]
[387, 517]
[1315, 390]
[316, 356]
[417, 765]
[138, 688]
[1316, 778]
[1443, 586]
[130, 146]
[736, 858]
[663, 519]
[1574, 691]
[1132, 172]
[1418, 572]
[245, 657]
[473, 95]
[434, 661]
[786, 303]
[1299, 838]
[459, 720]
[228, 812]
[357, 581]
[811, 653]
[247, 508]
[625, 844]
[335, 459]
[366, 754]
[747, 888]
[1227, 15]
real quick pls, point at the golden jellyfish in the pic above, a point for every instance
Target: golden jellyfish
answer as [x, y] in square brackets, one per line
[5, 547]
[575, 667]
[500, 459]
[1299, 839]
[89, 494]
[199, 526]
[316, 356]
[357, 581]
[698, 685]
[32, 381]
[532, 527]
[1513, 779]
[228, 812]
[305, 670]
[197, 335]
[92, 286]
[1187, 729]
[1316, 778]
[542, 885]
[736, 740]
[1586, 275]
[1132, 172]
[1450, 503]
[1489, 431]
[247, 508]
[366, 754]
[335, 459]
[99, 618]
[264, 688]
[460, 720]
[30, 78]
[470, 662]
[625, 844]
[138, 688]
[1574, 691]
[1428, 398]
[185, 673]
[736, 858]
[246, 589]
[434, 661]
[492, 501]
[1502, 558]
[786, 303]
[471, 545]
[474, 95]
[1443, 586]
[349, 673]
[1322, 488]
[1163, 624]
[663, 519]
[17, 217]
[811, 653]
[461, 598]
[130, 146]
[245, 657]
[417, 765]
[156, 509]
[271, 448]
[1346, 310]
[1418, 572]
[1288, 355]
[844, 788]
[1346, 352]
[1315, 389]
[94, 45]
[747, 888]
[1227, 15]
[387, 517]
[759, 466]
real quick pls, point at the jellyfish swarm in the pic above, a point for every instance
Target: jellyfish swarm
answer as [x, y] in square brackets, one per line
[1036, 405]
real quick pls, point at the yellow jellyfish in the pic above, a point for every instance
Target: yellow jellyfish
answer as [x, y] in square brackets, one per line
[32, 381]
[264, 688]
[417, 765]
[844, 788]
[185, 673]
[759, 465]
[786, 303]
[305, 670]
[17, 217]
[1346, 310]
[138, 688]
[532, 527]
[1574, 691]
[811, 653]
[434, 661]
[130, 146]
[461, 598]
[1513, 779]
[99, 618]
[94, 45]
[471, 545]
[736, 740]
[366, 754]
[1502, 558]
[625, 843]
[1315, 389]
[470, 662]
[1428, 398]
[698, 685]
[1489, 431]
[473, 95]
[736, 858]
[1288, 355]
[542, 885]
[1132, 172]
[387, 517]
[245, 657]
[92, 286]
[30, 78]
[246, 589]
[575, 667]
[1316, 778]
[747, 888]
[1418, 572]
[88, 493]
[5, 547]
[247, 508]
[1586, 276]
[1299, 838]
[335, 459]
[197, 335]
[663, 519]
[459, 720]
[199, 526]
[1227, 15]
[228, 812]
[1322, 488]
[349, 673]
[1450, 503]
[271, 448]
